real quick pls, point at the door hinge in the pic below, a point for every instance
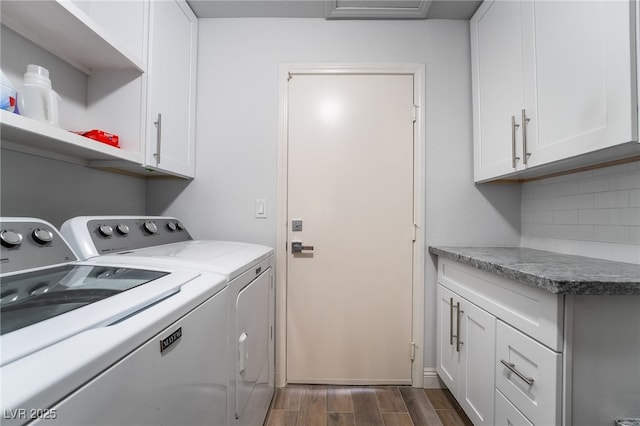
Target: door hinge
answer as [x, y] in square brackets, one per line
[414, 232]
[413, 351]
[415, 113]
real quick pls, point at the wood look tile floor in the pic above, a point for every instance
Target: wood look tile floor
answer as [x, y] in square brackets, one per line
[311, 405]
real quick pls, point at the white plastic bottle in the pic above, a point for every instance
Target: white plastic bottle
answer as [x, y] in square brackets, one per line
[37, 99]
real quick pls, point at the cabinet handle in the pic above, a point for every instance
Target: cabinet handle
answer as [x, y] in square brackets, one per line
[451, 321]
[512, 367]
[514, 126]
[458, 314]
[525, 154]
[158, 137]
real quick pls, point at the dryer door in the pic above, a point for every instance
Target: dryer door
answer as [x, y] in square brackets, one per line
[252, 340]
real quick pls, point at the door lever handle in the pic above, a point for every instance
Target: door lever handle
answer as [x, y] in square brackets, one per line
[297, 247]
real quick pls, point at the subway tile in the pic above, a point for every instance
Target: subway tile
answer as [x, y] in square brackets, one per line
[594, 184]
[634, 234]
[634, 166]
[578, 232]
[593, 217]
[611, 234]
[620, 168]
[582, 201]
[611, 199]
[526, 217]
[626, 216]
[634, 198]
[565, 217]
[630, 180]
[543, 217]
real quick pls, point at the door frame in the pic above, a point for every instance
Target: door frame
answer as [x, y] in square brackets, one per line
[286, 71]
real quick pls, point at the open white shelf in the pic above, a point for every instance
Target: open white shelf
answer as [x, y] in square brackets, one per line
[65, 30]
[34, 135]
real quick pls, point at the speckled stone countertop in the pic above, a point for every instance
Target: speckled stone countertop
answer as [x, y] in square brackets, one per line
[628, 422]
[554, 272]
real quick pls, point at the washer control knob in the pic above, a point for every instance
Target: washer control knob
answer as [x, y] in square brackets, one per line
[10, 238]
[122, 229]
[180, 226]
[171, 226]
[42, 236]
[150, 227]
[105, 230]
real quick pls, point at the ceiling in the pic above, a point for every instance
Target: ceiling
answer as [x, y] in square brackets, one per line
[336, 9]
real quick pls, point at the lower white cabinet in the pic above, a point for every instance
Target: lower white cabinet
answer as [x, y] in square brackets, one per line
[514, 354]
[497, 373]
[466, 350]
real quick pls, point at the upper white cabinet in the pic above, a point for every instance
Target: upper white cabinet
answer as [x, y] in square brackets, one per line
[554, 84]
[170, 122]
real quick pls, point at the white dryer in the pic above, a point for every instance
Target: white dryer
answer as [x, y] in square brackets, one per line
[157, 241]
[86, 343]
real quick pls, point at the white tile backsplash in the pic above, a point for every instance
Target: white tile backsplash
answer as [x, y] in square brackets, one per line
[593, 213]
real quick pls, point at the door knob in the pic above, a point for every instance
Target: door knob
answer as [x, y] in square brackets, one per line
[297, 247]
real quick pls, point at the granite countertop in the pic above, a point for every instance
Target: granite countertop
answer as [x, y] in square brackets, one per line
[554, 272]
[628, 422]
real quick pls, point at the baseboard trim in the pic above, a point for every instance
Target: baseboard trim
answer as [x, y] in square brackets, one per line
[431, 379]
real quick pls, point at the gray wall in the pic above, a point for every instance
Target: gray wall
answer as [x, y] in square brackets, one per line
[55, 191]
[237, 126]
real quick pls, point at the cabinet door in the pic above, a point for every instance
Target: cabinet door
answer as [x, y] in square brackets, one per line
[171, 88]
[583, 77]
[447, 357]
[478, 336]
[496, 58]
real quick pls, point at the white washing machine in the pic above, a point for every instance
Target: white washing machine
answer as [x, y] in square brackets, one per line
[85, 344]
[156, 241]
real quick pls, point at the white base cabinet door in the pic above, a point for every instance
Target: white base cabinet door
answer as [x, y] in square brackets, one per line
[466, 353]
[172, 88]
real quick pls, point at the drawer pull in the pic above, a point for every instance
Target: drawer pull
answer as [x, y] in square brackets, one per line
[512, 367]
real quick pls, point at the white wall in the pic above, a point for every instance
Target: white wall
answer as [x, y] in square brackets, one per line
[237, 126]
[595, 213]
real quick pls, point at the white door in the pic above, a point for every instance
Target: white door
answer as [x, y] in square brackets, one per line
[350, 183]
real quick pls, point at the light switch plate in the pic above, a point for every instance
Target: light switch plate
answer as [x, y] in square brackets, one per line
[261, 208]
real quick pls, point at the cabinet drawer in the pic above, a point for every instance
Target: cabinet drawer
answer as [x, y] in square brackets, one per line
[506, 414]
[529, 375]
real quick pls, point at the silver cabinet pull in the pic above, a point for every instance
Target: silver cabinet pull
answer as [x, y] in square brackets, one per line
[525, 154]
[512, 367]
[514, 126]
[458, 314]
[158, 138]
[451, 321]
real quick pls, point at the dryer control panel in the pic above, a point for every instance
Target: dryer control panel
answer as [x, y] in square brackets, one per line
[97, 236]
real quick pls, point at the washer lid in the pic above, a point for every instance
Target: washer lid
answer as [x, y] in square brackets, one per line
[43, 307]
